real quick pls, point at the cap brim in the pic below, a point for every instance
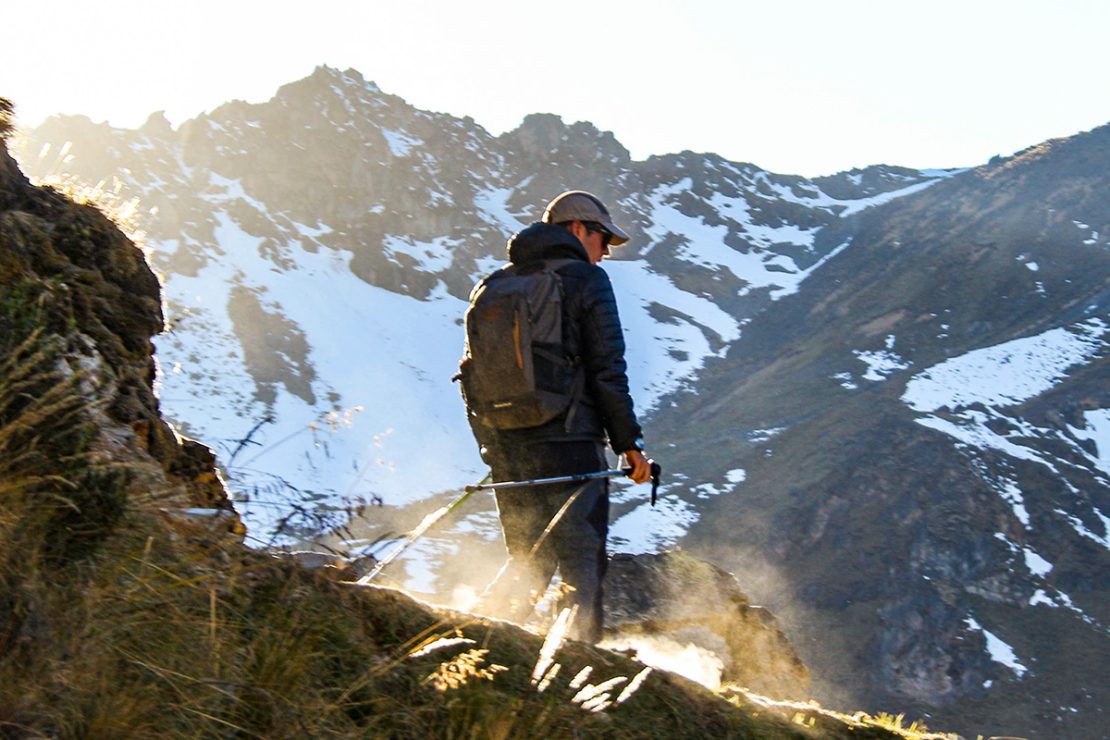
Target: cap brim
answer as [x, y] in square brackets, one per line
[618, 237]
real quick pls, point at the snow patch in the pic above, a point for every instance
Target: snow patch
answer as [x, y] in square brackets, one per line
[1037, 565]
[1081, 529]
[1008, 373]
[400, 143]
[494, 206]
[1096, 429]
[362, 355]
[434, 256]
[999, 651]
[704, 244]
[881, 363]
[664, 355]
[650, 528]
[762, 435]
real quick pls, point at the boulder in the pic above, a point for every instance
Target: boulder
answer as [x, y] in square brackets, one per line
[672, 600]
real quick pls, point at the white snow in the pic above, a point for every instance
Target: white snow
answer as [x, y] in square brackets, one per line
[1012, 495]
[647, 528]
[704, 244]
[739, 475]
[1037, 565]
[400, 143]
[881, 363]
[707, 490]
[762, 435]
[664, 356]
[1008, 373]
[1097, 429]
[1033, 266]
[398, 370]
[493, 203]
[1000, 652]
[1040, 597]
[1081, 529]
[433, 256]
[997, 377]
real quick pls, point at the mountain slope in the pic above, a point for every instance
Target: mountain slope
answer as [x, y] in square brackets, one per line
[932, 491]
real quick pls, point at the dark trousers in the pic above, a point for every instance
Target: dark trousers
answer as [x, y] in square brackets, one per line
[575, 545]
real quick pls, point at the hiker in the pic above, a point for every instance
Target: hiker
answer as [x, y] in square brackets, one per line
[581, 400]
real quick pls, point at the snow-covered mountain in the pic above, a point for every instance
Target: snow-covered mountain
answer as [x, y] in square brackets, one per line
[881, 397]
[317, 251]
[931, 486]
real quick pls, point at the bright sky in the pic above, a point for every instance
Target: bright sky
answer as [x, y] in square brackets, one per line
[795, 86]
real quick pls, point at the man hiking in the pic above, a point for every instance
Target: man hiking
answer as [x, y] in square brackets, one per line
[545, 382]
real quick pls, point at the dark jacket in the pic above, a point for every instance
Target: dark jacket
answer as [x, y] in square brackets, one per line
[592, 332]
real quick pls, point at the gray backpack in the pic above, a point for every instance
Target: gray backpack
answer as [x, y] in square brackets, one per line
[515, 372]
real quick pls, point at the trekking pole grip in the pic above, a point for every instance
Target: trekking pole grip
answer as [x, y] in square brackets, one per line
[656, 474]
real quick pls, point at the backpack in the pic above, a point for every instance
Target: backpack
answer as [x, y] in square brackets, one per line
[515, 372]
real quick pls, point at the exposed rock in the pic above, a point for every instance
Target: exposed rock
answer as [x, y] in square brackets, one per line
[69, 272]
[693, 602]
[333, 565]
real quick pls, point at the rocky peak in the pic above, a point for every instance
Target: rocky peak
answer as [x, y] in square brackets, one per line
[542, 137]
[157, 125]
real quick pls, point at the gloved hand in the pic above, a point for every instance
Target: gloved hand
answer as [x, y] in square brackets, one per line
[641, 468]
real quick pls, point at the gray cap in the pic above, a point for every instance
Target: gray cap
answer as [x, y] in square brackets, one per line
[578, 205]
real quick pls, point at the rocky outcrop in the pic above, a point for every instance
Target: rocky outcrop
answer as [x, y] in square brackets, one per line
[691, 602]
[69, 277]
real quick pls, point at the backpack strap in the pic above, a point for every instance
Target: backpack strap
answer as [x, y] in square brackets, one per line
[576, 362]
[575, 393]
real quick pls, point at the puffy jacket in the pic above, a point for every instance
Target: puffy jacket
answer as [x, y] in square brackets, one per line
[592, 332]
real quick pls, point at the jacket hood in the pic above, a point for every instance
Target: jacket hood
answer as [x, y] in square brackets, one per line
[542, 241]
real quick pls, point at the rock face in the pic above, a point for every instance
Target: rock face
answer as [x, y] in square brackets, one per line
[69, 274]
[689, 601]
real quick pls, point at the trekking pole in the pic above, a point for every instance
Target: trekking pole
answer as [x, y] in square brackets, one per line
[425, 524]
[656, 473]
[435, 516]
